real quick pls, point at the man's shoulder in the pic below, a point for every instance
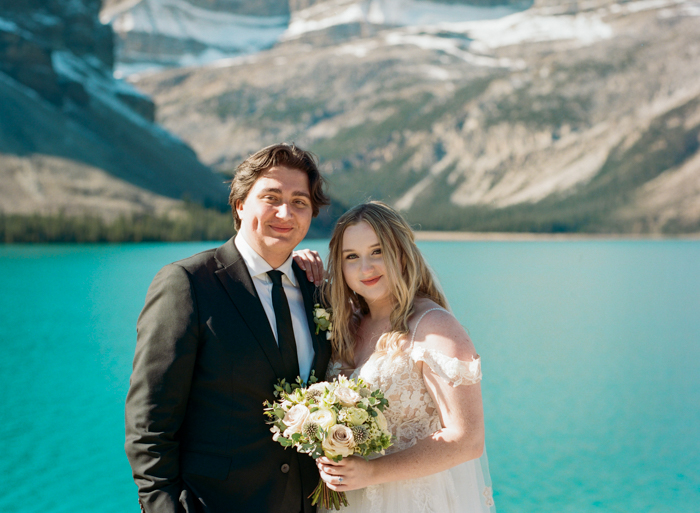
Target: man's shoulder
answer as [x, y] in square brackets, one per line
[197, 261]
[206, 261]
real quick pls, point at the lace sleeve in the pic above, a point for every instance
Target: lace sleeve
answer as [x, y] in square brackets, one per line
[455, 372]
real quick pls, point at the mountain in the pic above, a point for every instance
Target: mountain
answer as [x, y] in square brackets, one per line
[555, 116]
[75, 141]
[334, 20]
[153, 34]
[166, 33]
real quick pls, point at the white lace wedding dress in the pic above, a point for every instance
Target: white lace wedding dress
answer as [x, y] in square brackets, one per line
[412, 416]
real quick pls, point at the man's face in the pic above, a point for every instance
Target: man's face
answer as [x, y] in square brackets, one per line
[276, 214]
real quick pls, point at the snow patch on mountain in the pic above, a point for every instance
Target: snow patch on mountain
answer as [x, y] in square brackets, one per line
[167, 33]
[176, 18]
[529, 27]
[386, 12]
[467, 32]
[8, 26]
[106, 90]
[207, 35]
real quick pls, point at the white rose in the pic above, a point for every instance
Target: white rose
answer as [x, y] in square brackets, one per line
[323, 417]
[321, 387]
[380, 419]
[339, 442]
[294, 419]
[346, 396]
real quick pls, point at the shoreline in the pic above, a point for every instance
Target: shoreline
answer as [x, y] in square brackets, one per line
[528, 237]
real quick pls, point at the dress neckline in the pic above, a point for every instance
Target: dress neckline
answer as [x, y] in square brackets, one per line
[355, 371]
[358, 368]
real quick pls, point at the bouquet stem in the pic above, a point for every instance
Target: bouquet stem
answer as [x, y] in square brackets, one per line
[328, 498]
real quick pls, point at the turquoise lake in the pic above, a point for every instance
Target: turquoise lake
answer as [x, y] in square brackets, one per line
[590, 350]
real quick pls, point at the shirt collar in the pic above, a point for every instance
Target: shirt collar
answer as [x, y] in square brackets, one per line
[257, 266]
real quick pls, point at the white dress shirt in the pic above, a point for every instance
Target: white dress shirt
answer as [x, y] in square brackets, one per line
[258, 267]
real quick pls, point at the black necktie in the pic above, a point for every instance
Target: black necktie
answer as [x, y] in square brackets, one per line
[285, 331]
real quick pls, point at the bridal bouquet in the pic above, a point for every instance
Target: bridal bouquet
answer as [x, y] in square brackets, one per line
[336, 419]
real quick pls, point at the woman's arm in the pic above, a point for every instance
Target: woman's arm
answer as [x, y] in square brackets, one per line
[461, 413]
[310, 261]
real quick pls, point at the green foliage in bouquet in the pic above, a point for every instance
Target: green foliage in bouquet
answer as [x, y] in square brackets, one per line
[335, 419]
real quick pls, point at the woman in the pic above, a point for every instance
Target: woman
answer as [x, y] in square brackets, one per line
[392, 328]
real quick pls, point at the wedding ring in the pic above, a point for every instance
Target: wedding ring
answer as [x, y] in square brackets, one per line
[340, 480]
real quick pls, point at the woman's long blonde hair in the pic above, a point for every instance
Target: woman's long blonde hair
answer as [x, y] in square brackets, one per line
[409, 278]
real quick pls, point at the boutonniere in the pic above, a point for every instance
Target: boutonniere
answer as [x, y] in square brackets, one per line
[322, 318]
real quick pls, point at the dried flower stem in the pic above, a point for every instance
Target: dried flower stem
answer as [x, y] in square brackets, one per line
[329, 499]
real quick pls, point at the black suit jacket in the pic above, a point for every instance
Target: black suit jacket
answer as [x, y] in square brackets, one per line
[206, 360]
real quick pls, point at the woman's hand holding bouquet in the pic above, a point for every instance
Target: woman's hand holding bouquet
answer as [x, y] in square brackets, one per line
[334, 419]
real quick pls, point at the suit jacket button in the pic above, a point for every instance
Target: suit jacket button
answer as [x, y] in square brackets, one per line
[285, 468]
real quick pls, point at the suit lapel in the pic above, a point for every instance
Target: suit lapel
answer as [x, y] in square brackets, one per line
[321, 346]
[236, 280]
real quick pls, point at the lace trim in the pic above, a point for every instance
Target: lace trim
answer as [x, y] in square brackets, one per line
[375, 499]
[488, 496]
[456, 372]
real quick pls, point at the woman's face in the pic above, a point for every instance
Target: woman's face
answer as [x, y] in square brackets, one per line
[363, 263]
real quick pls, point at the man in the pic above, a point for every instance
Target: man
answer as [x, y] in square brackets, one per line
[214, 336]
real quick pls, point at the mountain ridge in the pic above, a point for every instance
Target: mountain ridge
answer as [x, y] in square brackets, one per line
[534, 121]
[158, 34]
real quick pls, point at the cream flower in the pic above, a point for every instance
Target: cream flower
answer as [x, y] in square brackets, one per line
[275, 433]
[318, 387]
[355, 416]
[323, 417]
[322, 319]
[339, 442]
[294, 419]
[380, 419]
[346, 396]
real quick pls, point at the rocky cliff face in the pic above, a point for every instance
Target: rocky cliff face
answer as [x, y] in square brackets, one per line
[72, 138]
[561, 117]
[165, 33]
[331, 21]
[154, 34]
[30, 30]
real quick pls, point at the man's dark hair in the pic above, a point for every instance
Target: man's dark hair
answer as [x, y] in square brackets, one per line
[287, 155]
